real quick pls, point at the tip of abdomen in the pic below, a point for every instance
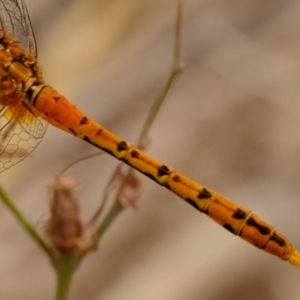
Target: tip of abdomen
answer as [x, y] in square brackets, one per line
[295, 258]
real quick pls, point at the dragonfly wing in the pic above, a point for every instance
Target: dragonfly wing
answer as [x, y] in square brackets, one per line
[20, 130]
[20, 134]
[31, 124]
[15, 21]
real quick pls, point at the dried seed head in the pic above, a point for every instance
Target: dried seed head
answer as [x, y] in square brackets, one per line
[129, 190]
[65, 228]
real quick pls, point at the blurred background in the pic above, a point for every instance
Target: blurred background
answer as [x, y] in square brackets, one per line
[231, 122]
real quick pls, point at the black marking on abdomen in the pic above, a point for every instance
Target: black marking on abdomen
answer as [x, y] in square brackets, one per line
[83, 121]
[30, 92]
[151, 177]
[73, 131]
[122, 146]
[193, 203]
[134, 154]
[87, 139]
[204, 194]
[278, 240]
[166, 185]
[261, 228]
[229, 228]
[239, 214]
[163, 170]
[176, 178]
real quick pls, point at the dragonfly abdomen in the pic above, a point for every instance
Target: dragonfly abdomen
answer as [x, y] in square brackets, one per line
[24, 100]
[58, 111]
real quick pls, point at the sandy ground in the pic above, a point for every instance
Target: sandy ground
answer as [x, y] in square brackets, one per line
[231, 122]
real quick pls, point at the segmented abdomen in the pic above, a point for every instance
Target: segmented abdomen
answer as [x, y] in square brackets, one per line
[58, 111]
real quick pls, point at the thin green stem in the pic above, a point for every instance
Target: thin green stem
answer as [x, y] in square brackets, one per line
[65, 267]
[175, 71]
[177, 62]
[112, 214]
[25, 223]
[116, 208]
[156, 107]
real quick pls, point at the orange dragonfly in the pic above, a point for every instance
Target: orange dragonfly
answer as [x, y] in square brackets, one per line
[28, 104]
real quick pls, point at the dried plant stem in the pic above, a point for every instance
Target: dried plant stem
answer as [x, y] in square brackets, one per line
[25, 224]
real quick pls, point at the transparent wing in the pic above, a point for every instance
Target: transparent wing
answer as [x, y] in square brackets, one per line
[20, 133]
[15, 21]
[20, 130]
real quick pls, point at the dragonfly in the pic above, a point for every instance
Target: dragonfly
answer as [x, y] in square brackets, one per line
[28, 104]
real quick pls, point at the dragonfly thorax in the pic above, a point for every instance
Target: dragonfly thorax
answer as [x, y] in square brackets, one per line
[18, 71]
